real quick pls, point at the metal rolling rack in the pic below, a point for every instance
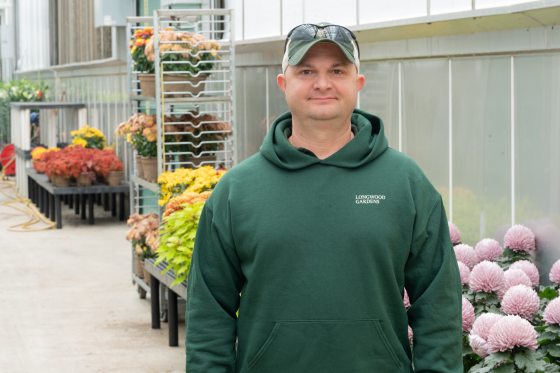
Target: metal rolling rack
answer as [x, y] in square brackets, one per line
[194, 109]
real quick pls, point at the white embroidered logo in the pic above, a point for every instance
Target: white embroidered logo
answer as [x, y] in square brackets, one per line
[369, 199]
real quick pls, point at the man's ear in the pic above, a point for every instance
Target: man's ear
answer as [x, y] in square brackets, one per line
[360, 81]
[281, 82]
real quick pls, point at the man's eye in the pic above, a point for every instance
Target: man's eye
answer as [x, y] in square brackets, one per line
[338, 71]
[306, 72]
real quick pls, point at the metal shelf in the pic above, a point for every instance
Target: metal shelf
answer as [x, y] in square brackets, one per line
[173, 100]
[144, 183]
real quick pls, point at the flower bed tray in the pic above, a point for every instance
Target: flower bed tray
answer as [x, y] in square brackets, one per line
[48, 198]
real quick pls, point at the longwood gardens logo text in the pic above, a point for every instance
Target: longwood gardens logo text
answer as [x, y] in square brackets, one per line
[369, 199]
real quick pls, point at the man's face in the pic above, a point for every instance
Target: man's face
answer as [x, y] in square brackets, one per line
[324, 86]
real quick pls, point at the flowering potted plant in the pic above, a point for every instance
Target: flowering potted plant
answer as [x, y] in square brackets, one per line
[182, 52]
[144, 236]
[88, 137]
[511, 323]
[184, 193]
[140, 131]
[108, 166]
[40, 156]
[63, 167]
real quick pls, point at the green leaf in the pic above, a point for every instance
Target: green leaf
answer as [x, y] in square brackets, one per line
[548, 293]
[507, 368]
[526, 361]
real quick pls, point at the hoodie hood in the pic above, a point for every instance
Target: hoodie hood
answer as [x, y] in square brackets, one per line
[369, 142]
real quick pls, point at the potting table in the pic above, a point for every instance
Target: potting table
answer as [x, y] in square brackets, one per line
[48, 198]
[172, 293]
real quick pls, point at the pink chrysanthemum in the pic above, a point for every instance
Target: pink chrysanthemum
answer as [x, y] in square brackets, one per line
[530, 270]
[488, 249]
[520, 238]
[510, 332]
[514, 277]
[487, 277]
[465, 253]
[478, 345]
[465, 273]
[552, 312]
[521, 300]
[410, 335]
[483, 323]
[554, 274]
[406, 300]
[468, 315]
[454, 234]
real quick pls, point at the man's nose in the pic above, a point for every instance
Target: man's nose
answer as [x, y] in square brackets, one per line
[323, 81]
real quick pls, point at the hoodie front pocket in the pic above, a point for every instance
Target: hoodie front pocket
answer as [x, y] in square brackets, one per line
[356, 346]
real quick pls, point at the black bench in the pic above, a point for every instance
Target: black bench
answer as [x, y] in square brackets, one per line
[172, 293]
[48, 198]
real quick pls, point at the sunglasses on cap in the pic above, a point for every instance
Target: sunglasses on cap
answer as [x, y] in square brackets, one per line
[310, 32]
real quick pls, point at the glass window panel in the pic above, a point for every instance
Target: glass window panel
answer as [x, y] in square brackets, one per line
[449, 6]
[240, 113]
[255, 121]
[292, 14]
[537, 153]
[276, 100]
[330, 11]
[380, 96]
[481, 4]
[379, 11]
[262, 18]
[481, 147]
[425, 125]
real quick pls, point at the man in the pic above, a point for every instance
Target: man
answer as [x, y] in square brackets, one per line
[304, 249]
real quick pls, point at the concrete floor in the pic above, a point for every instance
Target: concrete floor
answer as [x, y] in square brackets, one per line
[67, 303]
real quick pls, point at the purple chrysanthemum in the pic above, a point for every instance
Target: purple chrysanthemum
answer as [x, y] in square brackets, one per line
[483, 323]
[554, 274]
[487, 277]
[510, 332]
[488, 249]
[406, 300]
[552, 312]
[521, 300]
[467, 315]
[465, 273]
[478, 345]
[465, 253]
[520, 238]
[530, 270]
[454, 234]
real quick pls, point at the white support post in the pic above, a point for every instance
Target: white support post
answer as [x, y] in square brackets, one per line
[51, 128]
[82, 116]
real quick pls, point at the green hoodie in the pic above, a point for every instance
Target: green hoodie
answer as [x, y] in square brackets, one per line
[300, 264]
